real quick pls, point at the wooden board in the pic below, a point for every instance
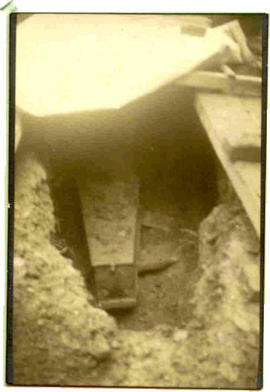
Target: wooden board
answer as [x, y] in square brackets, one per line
[110, 213]
[218, 81]
[250, 173]
[224, 117]
[245, 142]
[110, 216]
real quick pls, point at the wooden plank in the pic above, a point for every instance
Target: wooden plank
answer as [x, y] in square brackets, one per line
[250, 172]
[245, 144]
[110, 216]
[218, 81]
[110, 212]
[238, 120]
[222, 115]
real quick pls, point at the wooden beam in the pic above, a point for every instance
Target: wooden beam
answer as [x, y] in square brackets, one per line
[110, 216]
[221, 116]
[218, 81]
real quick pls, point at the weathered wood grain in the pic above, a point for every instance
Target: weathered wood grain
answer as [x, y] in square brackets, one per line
[110, 210]
[224, 117]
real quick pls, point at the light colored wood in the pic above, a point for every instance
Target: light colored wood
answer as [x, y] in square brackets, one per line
[221, 116]
[218, 81]
[110, 216]
[244, 142]
[250, 172]
[109, 211]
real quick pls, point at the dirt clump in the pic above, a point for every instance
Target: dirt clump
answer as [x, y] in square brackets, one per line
[227, 300]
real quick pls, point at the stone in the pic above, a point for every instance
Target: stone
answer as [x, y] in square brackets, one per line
[100, 348]
[115, 344]
[180, 335]
[252, 272]
[228, 372]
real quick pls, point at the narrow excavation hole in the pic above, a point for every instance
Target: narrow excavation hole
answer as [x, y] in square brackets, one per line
[177, 191]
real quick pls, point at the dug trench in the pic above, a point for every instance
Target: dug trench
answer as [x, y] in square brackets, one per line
[196, 323]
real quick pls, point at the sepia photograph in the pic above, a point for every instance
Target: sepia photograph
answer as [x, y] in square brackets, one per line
[137, 193]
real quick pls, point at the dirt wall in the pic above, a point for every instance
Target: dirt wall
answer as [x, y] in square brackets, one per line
[54, 324]
[227, 296]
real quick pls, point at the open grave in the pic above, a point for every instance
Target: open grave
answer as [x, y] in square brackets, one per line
[176, 192]
[145, 184]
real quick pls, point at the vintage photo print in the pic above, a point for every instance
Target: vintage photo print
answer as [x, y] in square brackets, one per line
[137, 193]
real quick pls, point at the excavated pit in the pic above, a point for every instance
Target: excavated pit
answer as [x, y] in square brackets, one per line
[176, 168]
[158, 291]
[196, 323]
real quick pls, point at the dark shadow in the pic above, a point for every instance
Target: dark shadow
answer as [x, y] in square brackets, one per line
[157, 138]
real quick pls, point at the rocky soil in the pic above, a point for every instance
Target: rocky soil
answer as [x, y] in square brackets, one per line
[61, 338]
[57, 334]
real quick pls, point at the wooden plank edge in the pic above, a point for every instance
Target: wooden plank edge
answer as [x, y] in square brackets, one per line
[218, 81]
[249, 200]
